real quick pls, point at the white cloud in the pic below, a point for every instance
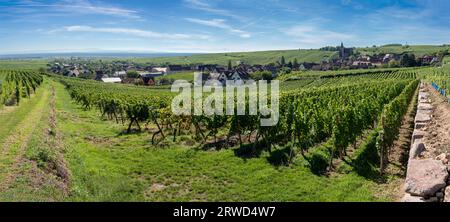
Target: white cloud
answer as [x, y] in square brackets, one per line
[77, 6]
[207, 7]
[314, 36]
[220, 23]
[133, 32]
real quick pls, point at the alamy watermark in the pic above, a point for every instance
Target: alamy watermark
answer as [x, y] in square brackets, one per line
[239, 95]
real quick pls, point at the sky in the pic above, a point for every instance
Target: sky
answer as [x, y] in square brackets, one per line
[201, 26]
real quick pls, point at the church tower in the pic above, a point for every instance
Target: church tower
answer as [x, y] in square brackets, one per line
[342, 51]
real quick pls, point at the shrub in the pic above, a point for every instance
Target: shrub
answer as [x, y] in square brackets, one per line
[319, 159]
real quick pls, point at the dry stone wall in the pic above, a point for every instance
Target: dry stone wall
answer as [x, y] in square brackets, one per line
[427, 179]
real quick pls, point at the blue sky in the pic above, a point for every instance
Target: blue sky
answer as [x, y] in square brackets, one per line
[28, 26]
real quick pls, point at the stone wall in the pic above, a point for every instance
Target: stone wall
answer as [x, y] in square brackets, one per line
[427, 178]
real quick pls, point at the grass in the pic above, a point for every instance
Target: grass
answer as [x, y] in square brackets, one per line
[11, 116]
[23, 128]
[446, 63]
[108, 166]
[33, 64]
[419, 50]
[188, 76]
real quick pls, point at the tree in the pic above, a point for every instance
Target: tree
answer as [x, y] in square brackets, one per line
[42, 70]
[290, 65]
[285, 70]
[393, 64]
[230, 66]
[282, 61]
[408, 60]
[261, 75]
[133, 74]
[296, 65]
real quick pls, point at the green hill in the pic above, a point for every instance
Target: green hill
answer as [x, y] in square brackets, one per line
[261, 57]
[419, 50]
[302, 55]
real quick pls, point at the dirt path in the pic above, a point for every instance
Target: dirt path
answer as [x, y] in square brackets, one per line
[399, 154]
[437, 136]
[14, 146]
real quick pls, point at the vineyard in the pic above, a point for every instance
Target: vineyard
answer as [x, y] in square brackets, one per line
[320, 120]
[337, 132]
[15, 85]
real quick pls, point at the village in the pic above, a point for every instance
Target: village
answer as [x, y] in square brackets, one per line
[129, 72]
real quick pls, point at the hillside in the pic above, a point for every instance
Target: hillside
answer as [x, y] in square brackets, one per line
[418, 50]
[262, 57]
[302, 55]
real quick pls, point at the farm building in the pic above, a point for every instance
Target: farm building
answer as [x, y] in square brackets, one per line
[111, 80]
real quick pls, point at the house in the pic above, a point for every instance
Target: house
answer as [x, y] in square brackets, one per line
[429, 59]
[74, 73]
[235, 76]
[222, 77]
[238, 76]
[307, 66]
[361, 64]
[388, 57]
[149, 78]
[435, 60]
[111, 80]
[120, 73]
[99, 75]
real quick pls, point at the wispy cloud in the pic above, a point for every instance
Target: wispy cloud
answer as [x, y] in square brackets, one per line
[207, 7]
[315, 36]
[132, 32]
[75, 6]
[220, 23]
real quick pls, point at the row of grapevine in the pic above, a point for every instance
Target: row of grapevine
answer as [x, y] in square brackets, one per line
[17, 84]
[310, 82]
[391, 121]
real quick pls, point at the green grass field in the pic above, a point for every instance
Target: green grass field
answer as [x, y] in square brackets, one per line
[419, 50]
[446, 63]
[189, 76]
[33, 64]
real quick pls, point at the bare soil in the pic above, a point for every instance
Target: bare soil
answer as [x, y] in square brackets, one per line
[399, 153]
[437, 138]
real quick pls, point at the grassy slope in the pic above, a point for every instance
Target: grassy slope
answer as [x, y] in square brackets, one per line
[22, 127]
[419, 50]
[34, 64]
[265, 57]
[189, 76]
[107, 166]
[446, 63]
